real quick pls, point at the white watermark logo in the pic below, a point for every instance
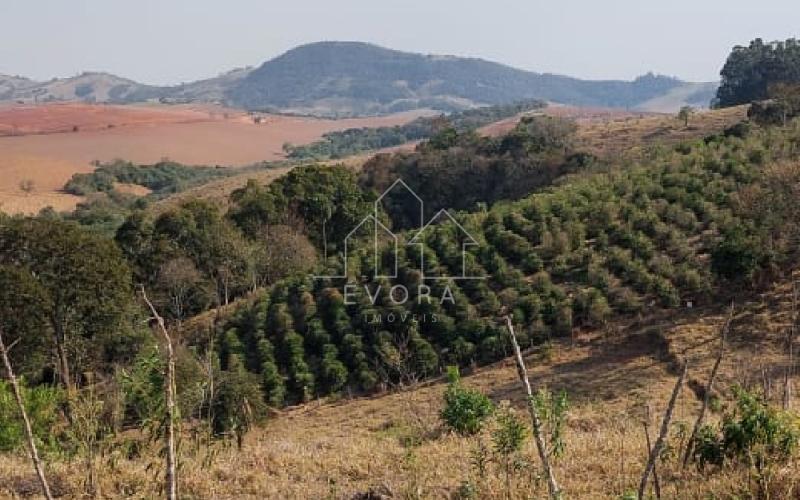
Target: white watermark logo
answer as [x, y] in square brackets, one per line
[382, 236]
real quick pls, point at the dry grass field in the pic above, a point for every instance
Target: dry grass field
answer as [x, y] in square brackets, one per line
[394, 445]
[582, 115]
[613, 136]
[39, 144]
[610, 132]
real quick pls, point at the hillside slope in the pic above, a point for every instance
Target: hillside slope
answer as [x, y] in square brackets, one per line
[393, 444]
[602, 132]
[354, 77]
[689, 94]
[86, 87]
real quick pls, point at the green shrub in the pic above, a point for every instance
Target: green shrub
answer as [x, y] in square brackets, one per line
[753, 433]
[508, 437]
[143, 388]
[41, 404]
[465, 410]
[510, 433]
[736, 256]
[552, 409]
[238, 404]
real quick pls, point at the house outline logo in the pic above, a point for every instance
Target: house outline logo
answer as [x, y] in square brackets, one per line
[417, 240]
[470, 241]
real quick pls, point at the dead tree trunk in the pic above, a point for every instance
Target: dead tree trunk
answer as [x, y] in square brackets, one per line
[541, 446]
[709, 388]
[37, 463]
[659, 444]
[169, 396]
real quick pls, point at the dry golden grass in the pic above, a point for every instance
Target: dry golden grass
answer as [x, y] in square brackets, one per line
[629, 134]
[394, 444]
[219, 191]
[609, 133]
[48, 143]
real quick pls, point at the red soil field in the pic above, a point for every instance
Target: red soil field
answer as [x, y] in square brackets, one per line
[71, 117]
[46, 148]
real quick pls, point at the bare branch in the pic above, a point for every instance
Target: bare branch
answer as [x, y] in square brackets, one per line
[37, 463]
[169, 395]
[656, 451]
[541, 446]
[709, 387]
[656, 481]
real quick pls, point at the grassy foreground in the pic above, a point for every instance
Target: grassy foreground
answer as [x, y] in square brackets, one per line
[394, 446]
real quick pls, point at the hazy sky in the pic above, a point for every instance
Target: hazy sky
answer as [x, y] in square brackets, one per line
[172, 41]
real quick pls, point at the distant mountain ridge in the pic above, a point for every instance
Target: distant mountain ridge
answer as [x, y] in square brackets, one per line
[364, 78]
[355, 78]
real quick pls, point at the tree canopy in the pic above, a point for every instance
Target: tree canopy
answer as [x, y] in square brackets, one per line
[750, 72]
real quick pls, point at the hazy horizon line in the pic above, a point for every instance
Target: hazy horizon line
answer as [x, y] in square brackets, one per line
[281, 53]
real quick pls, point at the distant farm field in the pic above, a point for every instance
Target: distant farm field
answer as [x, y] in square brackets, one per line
[42, 146]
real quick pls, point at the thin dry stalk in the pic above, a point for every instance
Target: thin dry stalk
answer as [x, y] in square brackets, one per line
[709, 387]
[34, 453]
[169, 395]
[656, 481]
[552, 485]
[787, 382]
[656, 451]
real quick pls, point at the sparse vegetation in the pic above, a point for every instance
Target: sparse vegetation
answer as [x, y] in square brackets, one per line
[27, 186]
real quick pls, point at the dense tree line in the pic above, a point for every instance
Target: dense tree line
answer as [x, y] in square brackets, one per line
[106, 207]
[460, 170]
[751, 73]
[352, 141]
[162, 178]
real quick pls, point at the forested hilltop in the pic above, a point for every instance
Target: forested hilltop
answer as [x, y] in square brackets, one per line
[360, 78]
[765, 74]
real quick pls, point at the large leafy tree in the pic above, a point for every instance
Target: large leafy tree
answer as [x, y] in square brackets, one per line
[464, 171]
[196, 231]
[326, 201]
[23, 320]
[750, 72]
[78, 281]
